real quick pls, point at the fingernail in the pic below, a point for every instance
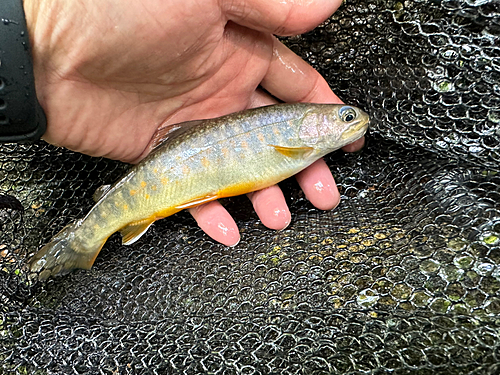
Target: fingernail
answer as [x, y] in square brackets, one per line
[230, 235]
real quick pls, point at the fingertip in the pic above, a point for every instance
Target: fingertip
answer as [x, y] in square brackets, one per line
[277, 218]
[355, 146]
[292, 79]
[217, 223]
[305, 15]
[277, 16]
[319, 186]
[270, 205]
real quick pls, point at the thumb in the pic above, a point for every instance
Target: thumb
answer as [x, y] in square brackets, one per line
[289, 17]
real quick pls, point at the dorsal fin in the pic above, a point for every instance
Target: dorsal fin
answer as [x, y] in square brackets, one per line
[170, 132]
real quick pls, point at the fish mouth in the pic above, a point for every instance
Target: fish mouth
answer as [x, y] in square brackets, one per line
[357, 130]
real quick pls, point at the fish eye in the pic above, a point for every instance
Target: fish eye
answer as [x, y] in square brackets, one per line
[347, 114]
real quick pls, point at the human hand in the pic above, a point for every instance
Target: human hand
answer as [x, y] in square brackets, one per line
[110, 73]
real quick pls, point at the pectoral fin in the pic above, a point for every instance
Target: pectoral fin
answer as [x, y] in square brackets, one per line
[197, 201]
[293, 152]
[132, 232]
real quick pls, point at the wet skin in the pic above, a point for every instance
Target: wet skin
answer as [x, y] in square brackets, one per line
[168, 62]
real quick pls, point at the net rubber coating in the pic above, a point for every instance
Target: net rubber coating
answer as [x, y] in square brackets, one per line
[21, 116]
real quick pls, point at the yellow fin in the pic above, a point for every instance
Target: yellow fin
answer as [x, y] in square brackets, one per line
[293, 152]
[197, 201]
[133, 231]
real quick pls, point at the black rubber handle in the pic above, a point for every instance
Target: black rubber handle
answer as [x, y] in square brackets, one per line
[21, 116]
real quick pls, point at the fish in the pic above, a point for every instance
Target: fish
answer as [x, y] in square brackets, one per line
[200, 161]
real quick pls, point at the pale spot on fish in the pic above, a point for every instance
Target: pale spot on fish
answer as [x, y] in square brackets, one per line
[164, 180]
[261, 137]
[104, 214]
[146, 196]
[143, 184]
[225, 152]
[185, 169]
[133, 192]
[205, 162]
[155, 170]
[276, 131]
[125, 207]
[244, 145]
[153, 187]
[96, 226]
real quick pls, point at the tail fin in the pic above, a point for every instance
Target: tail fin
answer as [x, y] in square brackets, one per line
[62, 254]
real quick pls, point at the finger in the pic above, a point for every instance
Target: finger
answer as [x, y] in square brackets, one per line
[271, 207]
[291, 79]
[318, 185]
[355, 146]
[216, 222]
[277, 16]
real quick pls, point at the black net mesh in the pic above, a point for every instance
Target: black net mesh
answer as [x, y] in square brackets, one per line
[403, 277]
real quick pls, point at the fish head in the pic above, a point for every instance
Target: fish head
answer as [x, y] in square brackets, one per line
[331, 126]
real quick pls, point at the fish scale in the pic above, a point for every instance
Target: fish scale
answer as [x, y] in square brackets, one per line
[200, 161]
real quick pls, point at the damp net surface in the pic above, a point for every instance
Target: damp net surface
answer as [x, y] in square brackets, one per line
[403, 277]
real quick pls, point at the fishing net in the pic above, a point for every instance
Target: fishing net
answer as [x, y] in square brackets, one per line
[403, 277]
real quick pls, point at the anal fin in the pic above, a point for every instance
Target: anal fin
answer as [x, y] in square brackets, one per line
[293, 152]
[133, 231]
[197, 201]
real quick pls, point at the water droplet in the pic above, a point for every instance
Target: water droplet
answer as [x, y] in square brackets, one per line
[22, 33]
[491, 239]
[484, 269]
[367, 298]
[443, 85]
[449, 54]
[475, 149]
[5, 21]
